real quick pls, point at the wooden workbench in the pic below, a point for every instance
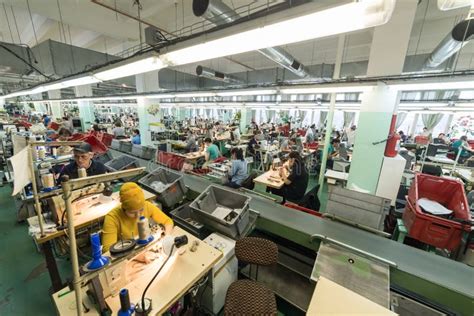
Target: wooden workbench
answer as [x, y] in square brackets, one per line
[270, 179]
[330, 298]
[179, 275]
[82, 220]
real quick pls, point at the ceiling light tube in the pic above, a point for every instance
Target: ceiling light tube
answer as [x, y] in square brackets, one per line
[130, 68]
[194, 94]
[246, 92]
[322, 89]
[439, 85]
[337, 20]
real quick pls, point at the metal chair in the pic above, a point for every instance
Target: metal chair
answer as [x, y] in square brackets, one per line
[248, 297]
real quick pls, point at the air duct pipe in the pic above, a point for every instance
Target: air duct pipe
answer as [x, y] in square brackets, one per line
[451, 44]
[216, 75]
[219, 13]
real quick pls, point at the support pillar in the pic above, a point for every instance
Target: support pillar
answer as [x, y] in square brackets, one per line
[390, 42]
[147, 82]
[86, 108]
[56, 110]
[376, 113]
[245, 119]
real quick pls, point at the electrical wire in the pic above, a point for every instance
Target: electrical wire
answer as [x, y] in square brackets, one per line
[153, 279]
[16, 25]
[8, 21]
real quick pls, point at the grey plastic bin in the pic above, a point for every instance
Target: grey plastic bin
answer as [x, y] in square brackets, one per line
[144, 152]
[183, 217]
[115, 144]
[125, 147]
[222, 209]
[123, 162]
[170, 189]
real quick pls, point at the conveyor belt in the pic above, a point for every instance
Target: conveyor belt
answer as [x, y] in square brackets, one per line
[446, 273]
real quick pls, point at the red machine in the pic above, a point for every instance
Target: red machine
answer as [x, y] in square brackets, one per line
[391, 149]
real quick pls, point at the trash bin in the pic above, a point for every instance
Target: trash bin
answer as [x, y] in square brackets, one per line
[224, 210]
[168, 186]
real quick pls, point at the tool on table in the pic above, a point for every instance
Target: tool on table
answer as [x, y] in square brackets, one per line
[126, 308]
[144, 236]
[98, 261]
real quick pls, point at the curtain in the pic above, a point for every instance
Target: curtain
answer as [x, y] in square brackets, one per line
[400, 119]
[271, 115]
[208, 113]
[302, 115]
[431, 120]
[322, 118]
[348, 118]
[264, 116]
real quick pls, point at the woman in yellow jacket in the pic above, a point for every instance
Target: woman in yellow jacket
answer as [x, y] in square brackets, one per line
[121, 222]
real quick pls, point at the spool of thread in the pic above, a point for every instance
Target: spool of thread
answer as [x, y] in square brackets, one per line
[54, 151]
[143, 228]
[41, 154]
[82, 173]
[48, 180]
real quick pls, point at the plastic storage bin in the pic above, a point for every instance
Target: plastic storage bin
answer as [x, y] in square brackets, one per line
[222, 209]
[123, 162]
[168, 186]
[125, 147]
[170, 160]
[183, 217]
[144, 152]
[115, 144]
[435, 230]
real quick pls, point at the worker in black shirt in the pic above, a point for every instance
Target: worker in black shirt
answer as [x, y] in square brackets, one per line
[252, 145]
[295, 178]
[83, 159]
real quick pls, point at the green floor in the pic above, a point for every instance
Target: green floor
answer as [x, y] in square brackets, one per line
[24, 280]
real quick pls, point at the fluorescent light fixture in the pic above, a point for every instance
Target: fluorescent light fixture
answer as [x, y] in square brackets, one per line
[337, 20]
[131, 68]
[445, 5]
[246, 92]
[328, 89]
[440, 85]
[160, 96]
[194, 94]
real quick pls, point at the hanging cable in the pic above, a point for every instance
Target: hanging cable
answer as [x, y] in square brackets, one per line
[31, 19]
[61, 26]
[16, 25]
[8, 22]
[462, 46]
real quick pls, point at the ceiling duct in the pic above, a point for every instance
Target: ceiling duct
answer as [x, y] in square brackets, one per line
[216, 75]
[219, 13]
[460, 35]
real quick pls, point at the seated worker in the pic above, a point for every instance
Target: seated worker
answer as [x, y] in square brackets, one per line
[121, 222]
[118, 130]
[83, 159]
[238, 172]
[463, 146]
[333, 151]
[252, 145]
[136, 140]
[212, 151]
[191, 142]
[295, 178]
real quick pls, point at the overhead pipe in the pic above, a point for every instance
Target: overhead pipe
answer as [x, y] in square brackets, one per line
[460, 35]
[202, 71]
[219, 13]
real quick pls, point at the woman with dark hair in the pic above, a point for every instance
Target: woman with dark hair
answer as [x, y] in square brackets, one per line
[295, 178]
[238, 172]
[136, 140]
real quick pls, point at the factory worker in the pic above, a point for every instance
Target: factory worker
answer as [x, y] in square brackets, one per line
[121, 222]
[295, 178]
[83, 159]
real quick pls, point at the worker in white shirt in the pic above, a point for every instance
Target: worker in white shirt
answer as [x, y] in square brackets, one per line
[350, 134]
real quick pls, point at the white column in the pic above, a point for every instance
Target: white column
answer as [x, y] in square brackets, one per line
[86, 108]
[56, 110]
[146, 82]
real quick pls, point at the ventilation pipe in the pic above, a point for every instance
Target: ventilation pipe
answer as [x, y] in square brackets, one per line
[451, 44]
[219, 13]
[216, 75]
